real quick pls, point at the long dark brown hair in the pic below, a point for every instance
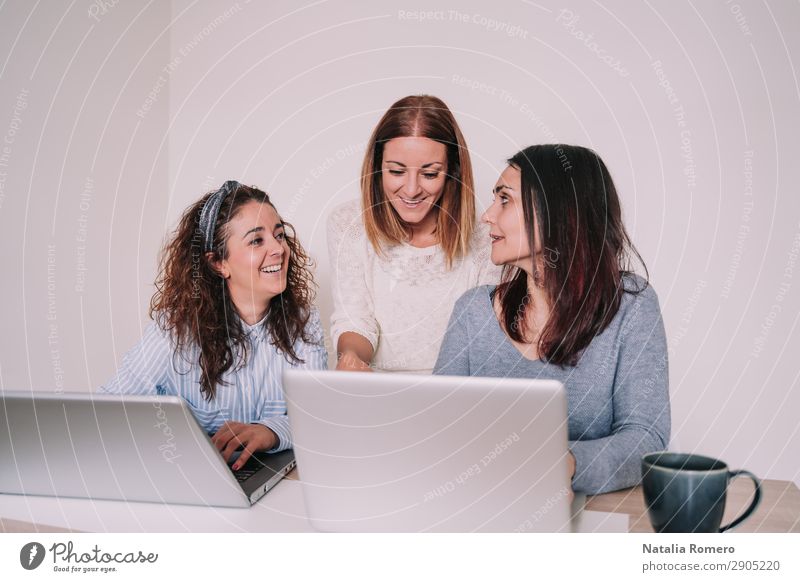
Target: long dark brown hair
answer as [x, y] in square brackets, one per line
[420, 116]
[585, 250]
[193, 304]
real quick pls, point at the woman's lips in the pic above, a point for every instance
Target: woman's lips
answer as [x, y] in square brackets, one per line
[411, 204]
[272, 270]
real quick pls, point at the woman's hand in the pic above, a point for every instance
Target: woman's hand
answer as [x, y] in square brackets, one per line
[571, 470]
[350, 362]
[253, 437]
[355, 352]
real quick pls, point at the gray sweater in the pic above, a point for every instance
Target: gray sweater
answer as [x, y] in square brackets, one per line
[618, 393]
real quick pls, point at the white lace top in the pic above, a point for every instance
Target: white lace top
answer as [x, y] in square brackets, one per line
[400, 302]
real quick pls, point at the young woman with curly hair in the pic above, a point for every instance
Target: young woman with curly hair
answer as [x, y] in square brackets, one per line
[233, 308]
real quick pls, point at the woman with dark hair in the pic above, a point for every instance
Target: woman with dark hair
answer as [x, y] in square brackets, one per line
[232, 309]
[568, 308]
[401, 257]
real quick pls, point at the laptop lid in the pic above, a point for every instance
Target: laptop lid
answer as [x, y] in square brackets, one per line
[128, 448]
[399, 452]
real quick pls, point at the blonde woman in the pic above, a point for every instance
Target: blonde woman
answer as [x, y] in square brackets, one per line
[402, 255]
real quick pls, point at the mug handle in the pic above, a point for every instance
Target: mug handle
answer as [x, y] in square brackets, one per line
[756, 499]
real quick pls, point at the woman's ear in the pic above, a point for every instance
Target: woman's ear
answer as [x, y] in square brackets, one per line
[218, 266]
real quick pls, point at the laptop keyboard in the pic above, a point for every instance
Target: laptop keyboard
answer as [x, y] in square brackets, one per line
[253, 465]
[243, 475]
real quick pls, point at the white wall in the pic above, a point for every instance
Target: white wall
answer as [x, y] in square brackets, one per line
[690, 104]
[85, 190]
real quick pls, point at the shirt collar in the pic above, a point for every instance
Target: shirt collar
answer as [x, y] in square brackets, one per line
[256, 331]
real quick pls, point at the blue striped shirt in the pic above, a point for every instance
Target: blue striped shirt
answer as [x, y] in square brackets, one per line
[251, 394]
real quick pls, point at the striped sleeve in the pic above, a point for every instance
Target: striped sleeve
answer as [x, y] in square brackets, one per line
[313, 352]
[145, 368]
[315, 356]
[280, 426]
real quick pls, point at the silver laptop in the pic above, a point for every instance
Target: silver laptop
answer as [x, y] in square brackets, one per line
[398, 452]
[127, 448]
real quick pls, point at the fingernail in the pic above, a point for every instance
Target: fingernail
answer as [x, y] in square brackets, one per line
[236, 467]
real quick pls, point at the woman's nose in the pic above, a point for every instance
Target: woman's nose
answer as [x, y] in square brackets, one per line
[488, 215]
[412, 184]
[276, 248]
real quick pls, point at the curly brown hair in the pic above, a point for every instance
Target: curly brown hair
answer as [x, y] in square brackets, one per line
[192, 302]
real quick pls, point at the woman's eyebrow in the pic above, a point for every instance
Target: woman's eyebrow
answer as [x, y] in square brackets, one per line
[501, 187]
[428, 165]
[252, 230]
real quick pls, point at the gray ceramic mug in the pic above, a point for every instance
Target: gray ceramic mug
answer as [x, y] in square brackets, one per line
[686, 493]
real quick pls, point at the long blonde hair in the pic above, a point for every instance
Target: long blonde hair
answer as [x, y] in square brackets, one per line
[420, 116]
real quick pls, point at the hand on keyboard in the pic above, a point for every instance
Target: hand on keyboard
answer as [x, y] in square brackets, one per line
[248, 437]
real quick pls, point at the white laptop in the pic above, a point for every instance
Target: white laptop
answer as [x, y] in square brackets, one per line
[399, 452]
[128, 448]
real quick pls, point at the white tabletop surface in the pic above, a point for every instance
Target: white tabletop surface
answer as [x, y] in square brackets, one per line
[280, 510]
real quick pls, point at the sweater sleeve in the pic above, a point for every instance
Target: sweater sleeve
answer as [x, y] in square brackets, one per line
[145, 368]
[453, 357]
[352, 299]
[640, 401]
[315, 356]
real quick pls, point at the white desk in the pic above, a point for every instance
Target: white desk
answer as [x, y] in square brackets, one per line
[280, 510]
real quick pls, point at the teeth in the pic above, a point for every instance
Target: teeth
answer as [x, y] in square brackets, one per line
[272, 269]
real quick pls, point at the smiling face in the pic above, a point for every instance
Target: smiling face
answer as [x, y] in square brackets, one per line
[414, 172]
[257, 261]
[506, 220]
